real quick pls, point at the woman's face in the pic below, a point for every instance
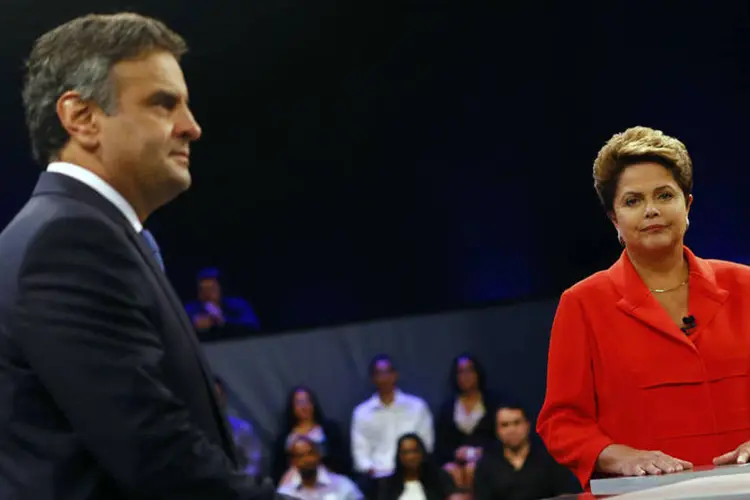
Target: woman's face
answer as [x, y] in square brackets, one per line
[410, 454]
[303, 408]
[650, 210]
[466, 375]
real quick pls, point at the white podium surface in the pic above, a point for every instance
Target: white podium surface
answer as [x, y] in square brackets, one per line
[726, 487]
[622, 485]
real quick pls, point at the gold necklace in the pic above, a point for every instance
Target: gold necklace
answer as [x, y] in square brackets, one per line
[665, 290]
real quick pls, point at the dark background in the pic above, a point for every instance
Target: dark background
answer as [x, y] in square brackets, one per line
[369, 159]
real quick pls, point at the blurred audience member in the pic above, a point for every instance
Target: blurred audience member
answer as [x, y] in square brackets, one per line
[515, 469]
[214, 315]
[245, 439]
[378, 422]
[416, 477]
[303, 417]
[310, 479]
[466, 422]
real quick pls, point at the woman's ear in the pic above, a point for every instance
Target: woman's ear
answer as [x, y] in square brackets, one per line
[613, 220]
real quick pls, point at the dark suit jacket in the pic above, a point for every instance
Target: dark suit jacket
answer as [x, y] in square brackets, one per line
[104, 391]
[621, 371]
[540, 477]
[449, 438]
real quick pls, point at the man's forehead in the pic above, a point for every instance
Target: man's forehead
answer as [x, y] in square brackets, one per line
[157, 72]
[509, 415]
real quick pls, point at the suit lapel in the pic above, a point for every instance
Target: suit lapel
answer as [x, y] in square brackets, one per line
[62, 184]
[166, 286]
[706, 297]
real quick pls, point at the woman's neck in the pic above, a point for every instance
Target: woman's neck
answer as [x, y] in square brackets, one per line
[305, 425]
[663, 271]
[470, 396]
[470, 399]
[411, 475]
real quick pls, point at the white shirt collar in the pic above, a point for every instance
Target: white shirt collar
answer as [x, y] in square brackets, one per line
[398, 397]
[100, 186]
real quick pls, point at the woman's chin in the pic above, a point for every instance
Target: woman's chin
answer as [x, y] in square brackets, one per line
[658, 243]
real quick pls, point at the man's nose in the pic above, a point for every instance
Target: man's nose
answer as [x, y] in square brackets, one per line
[189, 127]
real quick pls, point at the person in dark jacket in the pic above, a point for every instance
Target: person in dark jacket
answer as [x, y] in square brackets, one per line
[303, 416]
[465, 424]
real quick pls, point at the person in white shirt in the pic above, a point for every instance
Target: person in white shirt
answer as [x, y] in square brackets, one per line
[379, 422]
[310, 480]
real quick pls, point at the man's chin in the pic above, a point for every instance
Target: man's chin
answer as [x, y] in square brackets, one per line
[182, 179]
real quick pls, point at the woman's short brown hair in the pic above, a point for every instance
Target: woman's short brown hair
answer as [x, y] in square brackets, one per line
[639, 145]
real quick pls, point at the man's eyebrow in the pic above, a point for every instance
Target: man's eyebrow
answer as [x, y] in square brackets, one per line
[163, 96]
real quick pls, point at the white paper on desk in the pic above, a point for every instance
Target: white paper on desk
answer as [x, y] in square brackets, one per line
[713, 487]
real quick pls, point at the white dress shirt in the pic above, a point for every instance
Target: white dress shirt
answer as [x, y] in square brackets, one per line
[100, 186]
[413, 490]
[376, 429]
[328, 486]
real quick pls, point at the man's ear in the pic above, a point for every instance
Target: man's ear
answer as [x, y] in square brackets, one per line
[79, 118]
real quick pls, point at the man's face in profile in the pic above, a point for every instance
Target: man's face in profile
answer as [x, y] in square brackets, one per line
[147, 139]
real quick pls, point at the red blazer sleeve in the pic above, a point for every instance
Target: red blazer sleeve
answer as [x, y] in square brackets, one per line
[568, 420]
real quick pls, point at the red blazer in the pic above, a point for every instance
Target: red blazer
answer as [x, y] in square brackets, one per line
[621, 371]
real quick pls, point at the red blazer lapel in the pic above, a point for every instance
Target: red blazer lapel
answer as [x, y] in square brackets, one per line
[706, 297]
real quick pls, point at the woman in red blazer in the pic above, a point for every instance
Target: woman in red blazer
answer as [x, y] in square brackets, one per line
[649, 360]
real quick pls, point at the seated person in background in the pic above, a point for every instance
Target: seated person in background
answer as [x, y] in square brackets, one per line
[416, 477]
[245, 439]
[466, 422]
[514, 469]
[310, 480]
[214, 315]
[304, 417]
[378, 422]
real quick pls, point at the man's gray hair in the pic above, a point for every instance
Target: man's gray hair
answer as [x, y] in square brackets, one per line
[79, 56]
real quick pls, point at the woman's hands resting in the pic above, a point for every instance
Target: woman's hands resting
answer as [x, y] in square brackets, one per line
[623, 460]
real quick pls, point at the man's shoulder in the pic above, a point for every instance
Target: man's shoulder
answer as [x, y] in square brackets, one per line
[413, 400]
[364, 407]
[236, 302]
[48, 212]
[343, 481]
[47, 224]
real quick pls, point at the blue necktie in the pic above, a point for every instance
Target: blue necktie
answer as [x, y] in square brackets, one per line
[154, 246]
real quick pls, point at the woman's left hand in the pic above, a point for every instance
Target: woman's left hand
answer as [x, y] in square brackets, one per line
[739, 456]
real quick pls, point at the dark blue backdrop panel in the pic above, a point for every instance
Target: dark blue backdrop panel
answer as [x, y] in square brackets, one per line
[511, 341]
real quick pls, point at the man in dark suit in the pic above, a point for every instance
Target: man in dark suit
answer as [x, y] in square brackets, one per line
[104, 391]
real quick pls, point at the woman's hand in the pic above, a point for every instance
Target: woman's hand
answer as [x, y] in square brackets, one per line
[739, 456]
[462, 454]
[625, 461]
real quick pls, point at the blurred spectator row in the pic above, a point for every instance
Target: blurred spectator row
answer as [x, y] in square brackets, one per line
[479, 446]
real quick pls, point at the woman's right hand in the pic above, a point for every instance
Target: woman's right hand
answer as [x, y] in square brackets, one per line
[626, 461]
